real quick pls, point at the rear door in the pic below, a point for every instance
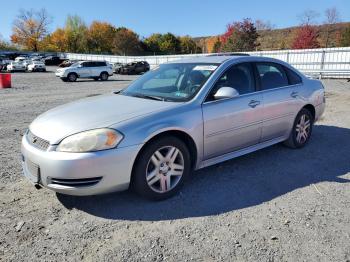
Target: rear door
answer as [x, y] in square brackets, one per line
[85, 69]
[97, 68]
[281, 100]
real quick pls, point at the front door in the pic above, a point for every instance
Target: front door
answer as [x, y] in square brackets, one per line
[235, 123]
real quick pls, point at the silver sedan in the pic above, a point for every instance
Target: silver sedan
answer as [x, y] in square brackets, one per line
[181, 116]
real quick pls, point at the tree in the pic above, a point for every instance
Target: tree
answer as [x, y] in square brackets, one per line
[211, 44]
[305, 37]
[100, 37]
[169, 44]
[240, 36]
[153, 43]
[126, 42]
[308, 17]
[56, 41]
[188, 45]
[30, 28]
[263, 25]
[345, 37]
[75, 34]
[4, 45]
[332, 17]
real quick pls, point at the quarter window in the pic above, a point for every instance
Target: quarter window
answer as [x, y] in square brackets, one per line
[293, 77]
[271, 75]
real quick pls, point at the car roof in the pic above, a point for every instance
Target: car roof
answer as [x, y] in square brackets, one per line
[216, 59]
[219, 59]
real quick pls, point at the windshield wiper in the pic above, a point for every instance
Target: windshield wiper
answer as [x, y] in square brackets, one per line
[149, 97]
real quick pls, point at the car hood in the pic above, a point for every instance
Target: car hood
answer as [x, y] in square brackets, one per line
[90, 113]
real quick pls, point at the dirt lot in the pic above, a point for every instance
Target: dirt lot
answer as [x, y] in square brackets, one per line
[277, 204]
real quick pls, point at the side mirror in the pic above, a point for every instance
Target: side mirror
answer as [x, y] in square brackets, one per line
[226, 92]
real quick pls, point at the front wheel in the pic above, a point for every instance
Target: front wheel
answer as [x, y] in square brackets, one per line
[72, 77]
[302, 129]
[161, 168]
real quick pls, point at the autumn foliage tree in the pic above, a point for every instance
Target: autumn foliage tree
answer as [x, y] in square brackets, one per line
[188, 45]
[126, 42]
[305, 37]
[100, 36]
[30, 28]
[240, 36]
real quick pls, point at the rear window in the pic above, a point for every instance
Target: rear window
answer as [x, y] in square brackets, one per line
[293, 77]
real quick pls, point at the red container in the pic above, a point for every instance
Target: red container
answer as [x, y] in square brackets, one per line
[5, 80]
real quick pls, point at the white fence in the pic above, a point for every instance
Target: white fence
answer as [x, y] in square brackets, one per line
[323, 62]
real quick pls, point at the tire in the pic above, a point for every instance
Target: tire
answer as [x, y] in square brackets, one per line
[72, 77]
[104, 76]
[301, 131]
[156, 175]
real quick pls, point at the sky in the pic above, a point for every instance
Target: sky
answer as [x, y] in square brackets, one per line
[181, 17]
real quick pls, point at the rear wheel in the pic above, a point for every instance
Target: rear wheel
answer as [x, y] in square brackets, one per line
[302, 129]
[104, 76]
[161, 168]
[72, 77]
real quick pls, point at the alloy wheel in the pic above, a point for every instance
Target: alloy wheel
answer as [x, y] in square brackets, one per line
[302, 129]
[165, 169]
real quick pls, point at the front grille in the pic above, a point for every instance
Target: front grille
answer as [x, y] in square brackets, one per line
[37, 141]
[74, 182]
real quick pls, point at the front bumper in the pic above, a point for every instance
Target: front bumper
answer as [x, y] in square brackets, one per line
[60, 74]
[67, 173]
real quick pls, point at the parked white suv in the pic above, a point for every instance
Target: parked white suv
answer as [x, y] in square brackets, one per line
[86, 69]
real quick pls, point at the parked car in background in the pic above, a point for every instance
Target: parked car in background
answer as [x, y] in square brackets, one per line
[135, 68]
[85, 69]
[117, 67]
[184, 115]
[37, 58]
[16, 66]
[67, 63]
[53, 60]
[36, 66]
[21, 58]
[4, 61]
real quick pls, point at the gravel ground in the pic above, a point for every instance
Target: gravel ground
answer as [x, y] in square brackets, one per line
[276, 204]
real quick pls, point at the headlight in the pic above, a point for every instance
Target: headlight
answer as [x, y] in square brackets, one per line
[89, 141]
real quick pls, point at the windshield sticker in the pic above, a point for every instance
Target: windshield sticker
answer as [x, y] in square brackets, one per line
[178, 93]
[205, 67]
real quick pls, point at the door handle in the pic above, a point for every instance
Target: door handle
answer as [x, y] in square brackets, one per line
[294, 94]
[254, 103]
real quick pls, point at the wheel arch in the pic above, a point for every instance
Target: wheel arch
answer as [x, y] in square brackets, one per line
[182, 135]
[311, 109]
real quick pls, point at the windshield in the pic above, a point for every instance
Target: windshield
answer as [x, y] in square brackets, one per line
[171, 82]
[75, 65]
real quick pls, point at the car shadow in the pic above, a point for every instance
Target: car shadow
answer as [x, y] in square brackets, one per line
[243, 182]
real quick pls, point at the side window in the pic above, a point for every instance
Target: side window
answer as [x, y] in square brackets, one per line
[271, 75]
[293, 77]
[239, 76]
